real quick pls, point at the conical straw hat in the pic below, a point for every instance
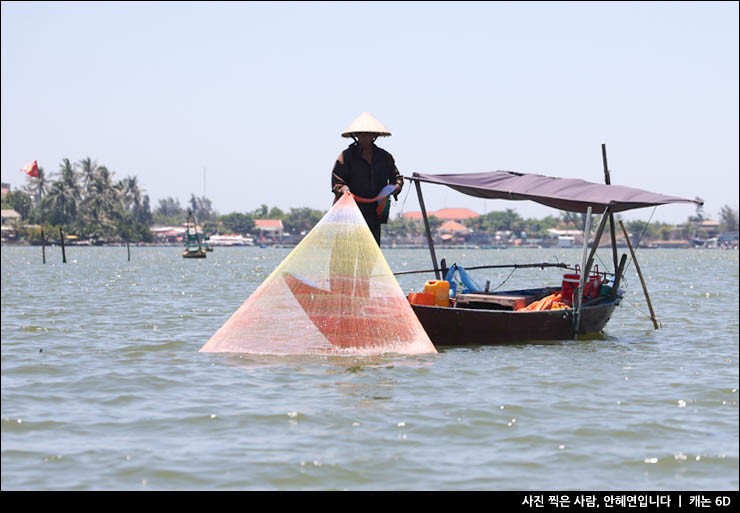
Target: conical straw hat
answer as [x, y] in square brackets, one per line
[366, 123]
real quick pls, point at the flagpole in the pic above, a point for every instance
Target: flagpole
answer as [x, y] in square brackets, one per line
[41, 218]
[32, 170]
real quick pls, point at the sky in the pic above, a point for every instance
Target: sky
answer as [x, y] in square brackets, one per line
[244, 102]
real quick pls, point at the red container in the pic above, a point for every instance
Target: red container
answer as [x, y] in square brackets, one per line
[591, 287]
[421, 298]
[570, 284]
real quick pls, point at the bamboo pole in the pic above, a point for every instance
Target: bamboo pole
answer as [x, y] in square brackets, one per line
[428, 230]
[639, 273]
[582, 279]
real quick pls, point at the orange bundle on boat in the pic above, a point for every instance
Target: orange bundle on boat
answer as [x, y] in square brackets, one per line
[551, 302]
[421, 298]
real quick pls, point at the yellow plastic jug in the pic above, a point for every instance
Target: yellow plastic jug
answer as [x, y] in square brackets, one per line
[440, 289]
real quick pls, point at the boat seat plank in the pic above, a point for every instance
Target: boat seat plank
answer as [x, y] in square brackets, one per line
[507, 300]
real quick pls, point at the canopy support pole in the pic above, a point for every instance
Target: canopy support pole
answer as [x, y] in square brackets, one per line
[639, 273]
[582, 279]
[612, 229]
[597, 239]
[428, 230]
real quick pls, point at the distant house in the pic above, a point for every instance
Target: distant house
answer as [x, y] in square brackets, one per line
[272, 228]
[452, 230]
[9, 219]
[9, 214]
[453, 227]
[566, 238]
[168, 234]
[445, 214]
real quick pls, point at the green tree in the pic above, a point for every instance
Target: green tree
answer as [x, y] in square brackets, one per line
[241, 224]
[265, 212]
[101, 207]
[169, 211]
[641, 230]
[144, 216]
[20, 201]
[404, 228]
[299, 220]
[61, 203]
[201, 208]
[728, 219]
[492, 222]
[133, 215]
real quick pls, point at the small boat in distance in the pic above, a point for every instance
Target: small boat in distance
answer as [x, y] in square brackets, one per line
[194, 246]
[231, 240]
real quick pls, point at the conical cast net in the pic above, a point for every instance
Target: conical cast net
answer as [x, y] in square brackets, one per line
[333, 294]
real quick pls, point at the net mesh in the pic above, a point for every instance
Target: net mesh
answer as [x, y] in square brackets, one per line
[333, 294]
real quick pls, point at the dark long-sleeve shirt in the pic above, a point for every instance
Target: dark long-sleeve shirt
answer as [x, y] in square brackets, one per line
[365, 179]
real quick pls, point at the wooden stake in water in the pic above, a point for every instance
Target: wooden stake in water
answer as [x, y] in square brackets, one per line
[639, 273]
[43, 246]
[61, 239]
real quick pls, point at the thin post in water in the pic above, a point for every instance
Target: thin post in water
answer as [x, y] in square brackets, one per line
[61, 241]
[43, 246]
[639, 273]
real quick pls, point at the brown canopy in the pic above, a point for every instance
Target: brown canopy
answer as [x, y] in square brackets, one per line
[570, 194]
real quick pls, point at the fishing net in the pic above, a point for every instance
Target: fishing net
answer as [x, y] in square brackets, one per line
[333, 294]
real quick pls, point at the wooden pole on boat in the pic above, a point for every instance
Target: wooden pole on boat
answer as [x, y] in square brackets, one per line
[608, 181]
[639, 273]
[61, 241]
[618, 274]
[582, 279]
[428, 230]
[597, 238]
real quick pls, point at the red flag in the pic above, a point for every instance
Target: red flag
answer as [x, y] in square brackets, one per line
[31, 169]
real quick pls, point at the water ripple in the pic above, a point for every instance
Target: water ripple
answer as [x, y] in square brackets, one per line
[103, 387]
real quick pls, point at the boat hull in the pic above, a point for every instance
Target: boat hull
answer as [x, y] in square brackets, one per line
[447, 326]
[194, 253]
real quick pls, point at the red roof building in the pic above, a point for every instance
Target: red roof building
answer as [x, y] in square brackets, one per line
[445, 214]
[273, 227]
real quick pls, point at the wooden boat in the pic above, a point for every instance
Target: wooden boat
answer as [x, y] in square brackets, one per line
[194, 246]
[480, 317]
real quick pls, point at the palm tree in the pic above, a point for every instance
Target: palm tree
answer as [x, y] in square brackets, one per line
[101, 206]
[88, 170]
[60, 204]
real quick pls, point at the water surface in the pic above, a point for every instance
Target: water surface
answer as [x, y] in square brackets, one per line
[103, 387]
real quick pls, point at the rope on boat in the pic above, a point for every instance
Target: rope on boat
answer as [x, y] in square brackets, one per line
[541, 265]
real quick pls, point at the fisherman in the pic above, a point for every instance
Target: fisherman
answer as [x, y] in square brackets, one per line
[365, 170]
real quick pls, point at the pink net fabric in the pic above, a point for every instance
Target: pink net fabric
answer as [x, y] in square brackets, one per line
[333, 294]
